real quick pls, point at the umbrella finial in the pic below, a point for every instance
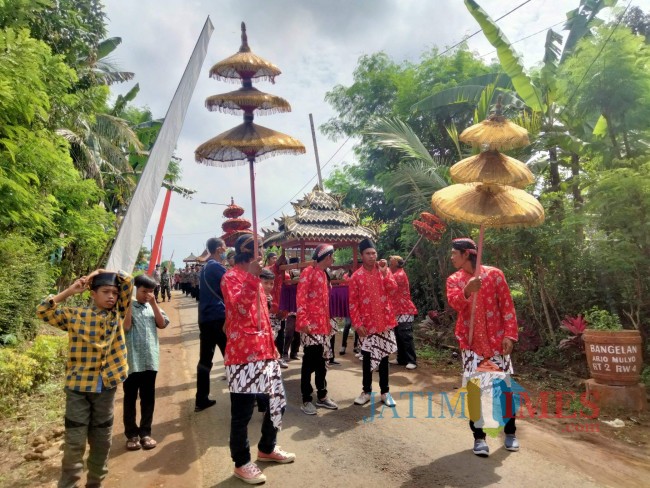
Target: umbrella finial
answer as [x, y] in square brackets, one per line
[498, 108]
[232, 201]
[244, 40]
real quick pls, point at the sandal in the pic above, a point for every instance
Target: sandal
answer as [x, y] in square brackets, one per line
[147, 442]
[133, 444]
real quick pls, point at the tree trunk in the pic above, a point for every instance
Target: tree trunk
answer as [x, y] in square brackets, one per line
[575, 181]
[612, 136]
[554, 169]
[542, 296]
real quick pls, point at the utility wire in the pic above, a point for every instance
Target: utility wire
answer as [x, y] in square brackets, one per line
[527, 37]
[481, 30]
[308, 182]
[602, 48]
[444, 52]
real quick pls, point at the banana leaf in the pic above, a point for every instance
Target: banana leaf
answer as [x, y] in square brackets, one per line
[508, 58]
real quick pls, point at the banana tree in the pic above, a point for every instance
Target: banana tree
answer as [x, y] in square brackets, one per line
[540, 94]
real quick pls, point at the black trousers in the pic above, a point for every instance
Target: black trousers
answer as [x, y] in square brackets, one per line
[291, 337]
[211, 336]
[367, 374]
[279, 340]
[509, 428]
[144, 385]
[346, 334]
[313, 362]
[242, 406]
[405, 343]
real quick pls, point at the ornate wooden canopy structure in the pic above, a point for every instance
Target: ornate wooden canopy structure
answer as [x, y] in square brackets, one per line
[319, 218]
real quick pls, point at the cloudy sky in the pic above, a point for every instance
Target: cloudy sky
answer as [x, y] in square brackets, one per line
[316, 44]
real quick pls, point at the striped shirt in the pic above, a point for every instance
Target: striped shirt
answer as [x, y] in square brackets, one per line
[96, 345]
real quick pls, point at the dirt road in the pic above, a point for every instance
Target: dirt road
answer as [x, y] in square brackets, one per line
[340, 448]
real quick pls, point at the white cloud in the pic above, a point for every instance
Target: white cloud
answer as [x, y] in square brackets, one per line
[316, 44]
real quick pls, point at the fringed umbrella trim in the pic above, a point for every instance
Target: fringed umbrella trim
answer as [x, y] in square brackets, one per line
[243, 158]
[235, 110]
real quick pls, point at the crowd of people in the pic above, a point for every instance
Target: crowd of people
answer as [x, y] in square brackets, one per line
[115, 340]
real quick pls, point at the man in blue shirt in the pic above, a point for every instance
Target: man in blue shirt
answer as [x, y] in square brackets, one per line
[212, 316]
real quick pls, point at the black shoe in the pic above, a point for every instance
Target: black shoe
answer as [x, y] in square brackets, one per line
[199, 407]
[334, 362]
[294, 357]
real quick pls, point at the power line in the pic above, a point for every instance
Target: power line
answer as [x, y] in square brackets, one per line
[444, 52]
[481, 30]
[527, 37]
[308, 182]
[602, 48]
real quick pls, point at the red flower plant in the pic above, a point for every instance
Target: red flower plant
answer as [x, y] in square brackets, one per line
[577, 326]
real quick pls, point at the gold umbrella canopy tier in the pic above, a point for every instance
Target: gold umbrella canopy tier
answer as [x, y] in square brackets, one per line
[492, 167]
[489, 205]
[244, 65]
[247, 100]
[495, 133]
[246, 142]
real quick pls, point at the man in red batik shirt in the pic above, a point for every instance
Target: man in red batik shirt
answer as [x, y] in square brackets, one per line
[405, 312]
[251, 364]
[313, 323]
[373, 319]
[495, 326]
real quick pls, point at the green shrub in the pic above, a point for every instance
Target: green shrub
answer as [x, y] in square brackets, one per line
[23, 282]
[17, 373]
[24, 369]
[50, 354]
[598, 319]
[645, 376]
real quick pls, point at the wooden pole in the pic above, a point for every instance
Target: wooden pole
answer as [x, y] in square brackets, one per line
[155, 249]
[256, 251]
[477, 272]
[416, 245]
[313, 136]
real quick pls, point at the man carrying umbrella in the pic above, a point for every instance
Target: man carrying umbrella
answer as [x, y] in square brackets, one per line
[251, 364]
[486, 348]
[373, 319]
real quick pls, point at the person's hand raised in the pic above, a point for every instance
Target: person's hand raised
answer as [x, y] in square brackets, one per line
[255, 267]
[79, 286]
[383, 266]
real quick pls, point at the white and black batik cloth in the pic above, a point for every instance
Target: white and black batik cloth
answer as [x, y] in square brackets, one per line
[276, 325]
[260, 377]
[472, 360]
[379, 346]
[404, 319]
[307, 340]
[486, 386]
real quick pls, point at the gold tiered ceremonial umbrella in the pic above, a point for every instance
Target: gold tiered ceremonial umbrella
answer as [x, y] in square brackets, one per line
[247, 142]
[488, 191]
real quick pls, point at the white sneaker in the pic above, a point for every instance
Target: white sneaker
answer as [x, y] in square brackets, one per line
[387, 399]
[411, 366]
[393, 361]
[362, 399]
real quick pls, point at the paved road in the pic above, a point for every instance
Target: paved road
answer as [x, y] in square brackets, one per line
[340, 448]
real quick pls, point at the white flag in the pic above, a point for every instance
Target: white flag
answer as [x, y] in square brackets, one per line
[132, 231]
